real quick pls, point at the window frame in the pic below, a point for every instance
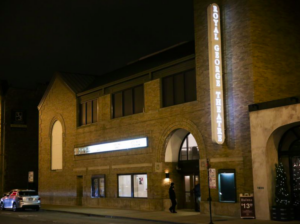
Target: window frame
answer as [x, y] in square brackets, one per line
[163, 92]
[98, 177]
[52, 163]
[222, 171]
[133, 104]
[132, 184]
[187, 155]
[93, 117]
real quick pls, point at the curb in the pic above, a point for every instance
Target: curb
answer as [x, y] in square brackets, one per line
[115, 217]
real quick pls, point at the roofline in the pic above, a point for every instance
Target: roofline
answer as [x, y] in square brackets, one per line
[157, 52]
[54, 77]
[47, 91]
[186, 58]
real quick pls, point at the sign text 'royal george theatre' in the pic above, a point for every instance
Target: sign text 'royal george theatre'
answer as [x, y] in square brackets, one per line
[215, 73]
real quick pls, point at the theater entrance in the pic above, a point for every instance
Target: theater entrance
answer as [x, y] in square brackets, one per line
[190, 181]
[182, 149]
[188, 167]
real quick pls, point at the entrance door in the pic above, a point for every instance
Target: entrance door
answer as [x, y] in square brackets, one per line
[79, 189]
[189, 183]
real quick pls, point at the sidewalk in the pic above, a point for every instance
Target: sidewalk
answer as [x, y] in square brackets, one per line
[183, 216]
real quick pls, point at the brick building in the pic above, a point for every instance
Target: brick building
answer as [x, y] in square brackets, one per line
[19, 137]
[117, 141]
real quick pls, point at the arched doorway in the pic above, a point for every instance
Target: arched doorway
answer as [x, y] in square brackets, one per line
[188, 167]
[182, 150]
[289, 155]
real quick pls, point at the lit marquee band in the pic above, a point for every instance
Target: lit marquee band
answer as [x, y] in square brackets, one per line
[113, 146]
[215, 72]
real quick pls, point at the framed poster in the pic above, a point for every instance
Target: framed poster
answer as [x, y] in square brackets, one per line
[247, 206]
[212, 178]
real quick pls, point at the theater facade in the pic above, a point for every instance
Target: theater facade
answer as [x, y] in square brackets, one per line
[119, 140]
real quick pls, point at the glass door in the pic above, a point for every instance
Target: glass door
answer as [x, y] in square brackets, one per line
[189, 183]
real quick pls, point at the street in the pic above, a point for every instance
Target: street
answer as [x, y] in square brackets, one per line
[46, 217]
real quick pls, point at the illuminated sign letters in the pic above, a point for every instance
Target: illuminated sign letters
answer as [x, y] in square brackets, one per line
[113, 146]
[215, 73]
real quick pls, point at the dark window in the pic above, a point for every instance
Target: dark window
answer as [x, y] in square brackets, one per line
[227, 191]
[168, 98]
[179, 88]
[27, 193]
[118, 105]
[129, 101]
[83, 113]
[88, 112]
[189, 149]
[138, 99]
[94, 110]
[98, 186]
[190, 86]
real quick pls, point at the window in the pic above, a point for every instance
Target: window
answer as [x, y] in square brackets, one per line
[179, 88]
[129, 101]
[227, 191]
[98, 186]
[56, 146]
[88, 112]
[189, 149]
[132, 185]
[27, 193]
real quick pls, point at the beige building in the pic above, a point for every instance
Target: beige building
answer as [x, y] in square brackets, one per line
[117, 141]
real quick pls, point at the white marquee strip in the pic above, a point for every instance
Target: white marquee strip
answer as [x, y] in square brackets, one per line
[113, 146]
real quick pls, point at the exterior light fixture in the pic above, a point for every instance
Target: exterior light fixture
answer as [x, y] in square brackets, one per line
[167, 175]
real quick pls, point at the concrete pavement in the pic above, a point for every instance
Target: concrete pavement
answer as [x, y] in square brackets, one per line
[183, 216]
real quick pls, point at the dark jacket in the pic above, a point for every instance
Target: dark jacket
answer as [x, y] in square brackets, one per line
[197, 190]
[172, 194]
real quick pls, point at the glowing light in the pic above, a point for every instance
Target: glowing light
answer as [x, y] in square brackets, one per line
[215, 71]
[113, 146]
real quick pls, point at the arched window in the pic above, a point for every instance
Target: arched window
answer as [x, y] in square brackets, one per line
[56, 146]
[189, 149]
[289, 155]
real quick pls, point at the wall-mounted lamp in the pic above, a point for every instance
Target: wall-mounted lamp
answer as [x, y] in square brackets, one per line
[167, 175]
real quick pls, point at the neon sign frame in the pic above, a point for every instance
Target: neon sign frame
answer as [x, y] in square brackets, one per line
[113, 146]
[215, 73]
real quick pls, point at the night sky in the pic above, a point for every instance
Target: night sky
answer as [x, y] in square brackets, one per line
[40, 37]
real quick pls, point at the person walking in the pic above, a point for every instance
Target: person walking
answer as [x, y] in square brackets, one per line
[172, 196]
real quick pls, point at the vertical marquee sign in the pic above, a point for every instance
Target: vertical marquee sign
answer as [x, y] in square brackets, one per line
[215, 73]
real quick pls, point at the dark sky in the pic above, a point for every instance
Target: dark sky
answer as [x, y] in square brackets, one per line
[40, 37]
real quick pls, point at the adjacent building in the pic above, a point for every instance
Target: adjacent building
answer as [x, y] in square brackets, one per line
[119, 140]
[19, 137]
